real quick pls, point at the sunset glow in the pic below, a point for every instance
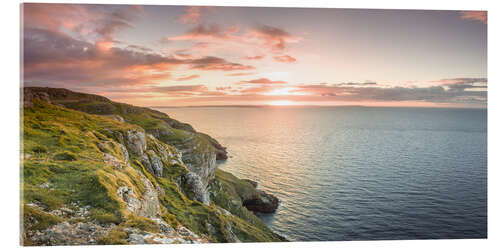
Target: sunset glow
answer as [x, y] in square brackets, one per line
[281, 103]
[189, 55]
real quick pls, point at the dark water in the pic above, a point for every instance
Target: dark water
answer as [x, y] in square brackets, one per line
[354, 173]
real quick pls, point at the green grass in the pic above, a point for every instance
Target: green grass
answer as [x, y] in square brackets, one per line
[67, 150]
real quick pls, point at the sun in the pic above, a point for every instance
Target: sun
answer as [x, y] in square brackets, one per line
[281, 103]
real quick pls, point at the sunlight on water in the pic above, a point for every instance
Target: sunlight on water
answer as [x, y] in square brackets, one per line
[353, 173]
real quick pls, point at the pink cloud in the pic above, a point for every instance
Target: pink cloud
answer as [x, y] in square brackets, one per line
[193, 14]
[99, 22]
[268, 38]
[57, 58]
[272, 37]
[186, 78]
[241, 74]
[481, 16]
[285, 59]
[216, 63]
[255, 57]
[262, 81]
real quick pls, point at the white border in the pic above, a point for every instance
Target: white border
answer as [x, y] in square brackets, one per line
[9, 133]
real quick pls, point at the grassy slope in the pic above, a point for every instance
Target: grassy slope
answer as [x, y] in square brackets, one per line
[166, 129]
[63, 150]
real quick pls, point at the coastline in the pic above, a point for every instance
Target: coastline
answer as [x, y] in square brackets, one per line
[162, 158]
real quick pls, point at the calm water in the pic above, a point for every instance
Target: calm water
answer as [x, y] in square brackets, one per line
[354, 173]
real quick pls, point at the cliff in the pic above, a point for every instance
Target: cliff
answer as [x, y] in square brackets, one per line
[101, 172]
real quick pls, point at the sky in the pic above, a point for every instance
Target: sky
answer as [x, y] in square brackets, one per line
[202, 55]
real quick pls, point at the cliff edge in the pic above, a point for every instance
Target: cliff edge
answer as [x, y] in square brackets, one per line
[101, 172]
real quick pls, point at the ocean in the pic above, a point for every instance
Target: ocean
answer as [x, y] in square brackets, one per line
[358, 173]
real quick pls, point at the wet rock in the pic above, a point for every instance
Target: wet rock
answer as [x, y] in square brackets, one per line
[265, 203]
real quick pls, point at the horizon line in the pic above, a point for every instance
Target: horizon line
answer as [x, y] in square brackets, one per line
[308, 105]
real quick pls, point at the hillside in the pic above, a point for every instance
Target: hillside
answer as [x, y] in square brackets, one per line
[101, 172]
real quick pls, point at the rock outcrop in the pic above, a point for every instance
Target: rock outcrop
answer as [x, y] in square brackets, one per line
[193, 187]
[136, 142]
[147, 206]
[244, 193]
[264, 203]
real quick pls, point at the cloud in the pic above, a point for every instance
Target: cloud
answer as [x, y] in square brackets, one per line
[437, 94]
[481, 16]
[185, 91]
[366, 83]
[463, 84]
[216, 63]
[93, 23]
[193, 14]
[285, 59]
[262, 81]
[223, 88]
[57, 58]
[449, 81]
[261, 38]
[186, 78]
[179, 88]
[255, 57]
[206, 32]
[322, 92]
[139, 48]
[241, 74]
[275, 38]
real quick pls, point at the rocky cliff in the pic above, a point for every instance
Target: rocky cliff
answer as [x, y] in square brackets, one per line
[101, 172]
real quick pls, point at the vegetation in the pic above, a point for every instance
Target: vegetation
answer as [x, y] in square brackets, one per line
[64, 166]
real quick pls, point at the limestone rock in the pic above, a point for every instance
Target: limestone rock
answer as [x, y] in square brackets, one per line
[146, 163]
[112, 161]
[147, 206]
[194, 188]
[65, 233]
[136, 142]
[156, 163]
[124, 152]
[29, 96]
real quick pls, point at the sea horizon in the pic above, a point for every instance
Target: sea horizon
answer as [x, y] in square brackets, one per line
[313, 106]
